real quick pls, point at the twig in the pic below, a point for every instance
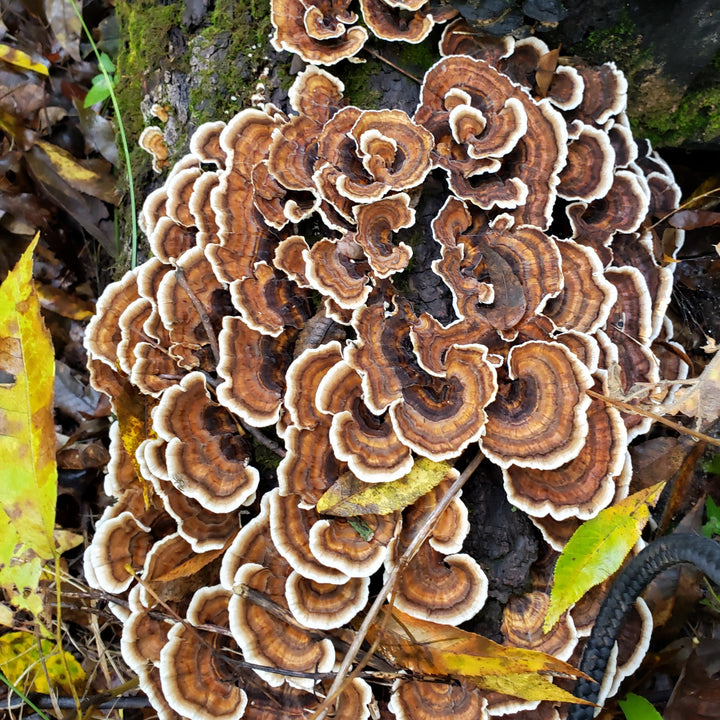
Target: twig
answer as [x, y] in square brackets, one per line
[204, 317]
[393, 65]
[388, 588]
[627, 407]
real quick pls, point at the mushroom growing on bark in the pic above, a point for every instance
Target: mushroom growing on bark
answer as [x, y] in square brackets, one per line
[275, 317]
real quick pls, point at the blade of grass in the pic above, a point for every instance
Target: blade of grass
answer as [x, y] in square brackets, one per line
[23, 697]
[121, 130]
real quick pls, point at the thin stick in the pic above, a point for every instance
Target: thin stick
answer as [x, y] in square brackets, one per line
[684, 205]
[393, 65]
[204, 317]
[388, 588]
[627, 407]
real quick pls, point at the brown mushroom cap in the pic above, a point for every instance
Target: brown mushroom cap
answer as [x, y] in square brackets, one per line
[417, 700]
[539, 416]
[324, 605]
[290, 529]
[337, 544]
[588, 173]
[440, 416]
[375, 224]
[585, 301]
[582, 486]
[267, 640]
[294, 22]
[253, 387]
[523, 619]
[367, 442]
[207, 458]
[195, 680]
[447, 589]
[310, 466]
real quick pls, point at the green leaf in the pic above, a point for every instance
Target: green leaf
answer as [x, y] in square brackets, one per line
[597, 550]
[638, 708]
[22, 657]
[106, 63]
[350, 496]
[97, 93]
[28, 483]
[712, 465]
[712, 526]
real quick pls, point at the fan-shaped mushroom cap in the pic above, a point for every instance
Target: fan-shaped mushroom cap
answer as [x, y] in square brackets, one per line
[252, 388]
[195, 680]
[375, 224]
[368, 153]
[441, 588]
[310, 466]
[418, 700]
[118, 551]
[152, 141]
[103, 333]
[324, 605]
[585, 301]
[338, 545]
[588, 173]
[290, 528]
[582, 486]
[302, 28]
[207, 458]
[539, 418]
[367, 442]
[540, 152]
[267, 640]
[605, 93]
[523, 619]
[390, 21]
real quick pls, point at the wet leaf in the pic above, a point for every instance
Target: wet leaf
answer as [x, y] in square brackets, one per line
[434, 649]
[78, 175]
[635, 707]
[693, 219]
[350, 496]
[21, 60]
[546, 70]
[25, 660]
[65, 24]
[27, 438]
[597, 549]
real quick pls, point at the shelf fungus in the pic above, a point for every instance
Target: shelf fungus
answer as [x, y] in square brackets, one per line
[282, 312]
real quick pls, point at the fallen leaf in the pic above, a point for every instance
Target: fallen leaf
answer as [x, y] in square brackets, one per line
[597, 549]
[350, 496]
[693, 219]
[545, 71]
[66, 304]
[635, 707]
[27, 438]
[700, 400]
[21, 60]
[65, 24]
[434, 649]
[133, 413]
[37, 665]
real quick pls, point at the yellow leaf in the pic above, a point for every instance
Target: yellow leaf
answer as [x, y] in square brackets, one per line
[28, 485]
[21, 60]
[597, 550]
[28, 663]
[101, 185]
[350, 496]
[434, 649]
[133, 413]
[526, 687]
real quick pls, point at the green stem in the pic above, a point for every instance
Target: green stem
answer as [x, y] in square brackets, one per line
[121, 130]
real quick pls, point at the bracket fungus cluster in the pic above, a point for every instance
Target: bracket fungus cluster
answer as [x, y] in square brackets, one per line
[274, 305]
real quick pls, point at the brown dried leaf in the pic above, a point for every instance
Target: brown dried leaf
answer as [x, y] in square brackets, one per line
[700, 400]
[693, 219]
[65, 24]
